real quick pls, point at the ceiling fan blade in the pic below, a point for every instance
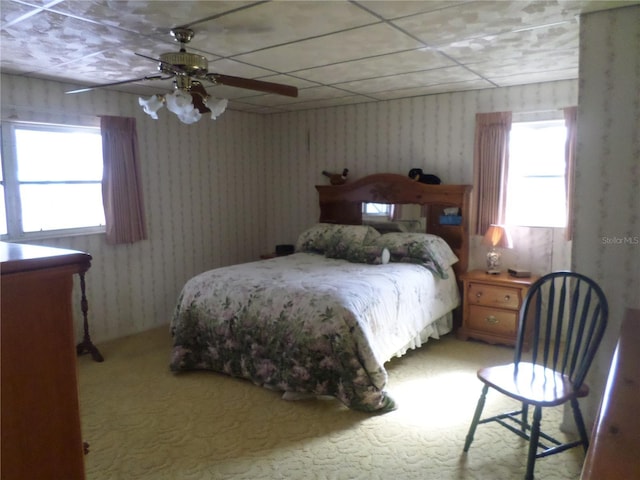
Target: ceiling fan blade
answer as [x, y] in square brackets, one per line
[259, 85]
[92, 87]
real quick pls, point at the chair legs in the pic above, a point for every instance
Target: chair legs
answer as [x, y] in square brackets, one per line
[534, 428]
[533, 442]
[476, 418]
[577, 416]
[525, 416]
[517, 422]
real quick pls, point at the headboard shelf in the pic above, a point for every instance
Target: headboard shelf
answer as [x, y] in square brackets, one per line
[343, 204]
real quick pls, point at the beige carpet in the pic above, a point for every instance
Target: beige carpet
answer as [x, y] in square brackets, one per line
[143, 422]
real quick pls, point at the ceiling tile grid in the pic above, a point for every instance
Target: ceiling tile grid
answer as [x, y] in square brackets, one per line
[334, 52]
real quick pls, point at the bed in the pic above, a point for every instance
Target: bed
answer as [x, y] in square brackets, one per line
[325, 320]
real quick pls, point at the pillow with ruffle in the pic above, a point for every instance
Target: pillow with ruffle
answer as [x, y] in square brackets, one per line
[425, 249]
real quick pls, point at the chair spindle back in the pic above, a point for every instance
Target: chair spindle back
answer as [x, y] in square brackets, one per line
[564, 315]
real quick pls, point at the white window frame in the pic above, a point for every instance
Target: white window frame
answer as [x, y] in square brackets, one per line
[11, 184]
[512, 218]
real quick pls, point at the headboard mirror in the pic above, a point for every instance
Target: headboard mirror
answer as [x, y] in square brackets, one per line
[343, 204]
[386, 217]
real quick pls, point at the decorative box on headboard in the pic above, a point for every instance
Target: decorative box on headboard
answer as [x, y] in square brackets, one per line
[343, 204]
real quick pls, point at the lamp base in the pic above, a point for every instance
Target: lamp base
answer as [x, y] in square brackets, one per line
[493, 261]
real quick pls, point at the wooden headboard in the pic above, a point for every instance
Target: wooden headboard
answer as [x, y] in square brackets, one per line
[343, 204]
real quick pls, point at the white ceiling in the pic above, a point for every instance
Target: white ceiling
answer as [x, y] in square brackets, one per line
[335, 52]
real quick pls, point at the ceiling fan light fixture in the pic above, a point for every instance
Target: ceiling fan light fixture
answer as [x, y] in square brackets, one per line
[151, 105]
[180, 102]
[189, 117]
[218, 106]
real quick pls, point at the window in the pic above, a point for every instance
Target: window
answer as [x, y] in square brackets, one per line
[536, 174]
[52, 180]
[377, 210]
[3, 210]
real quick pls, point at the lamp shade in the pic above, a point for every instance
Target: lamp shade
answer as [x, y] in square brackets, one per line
[497, 236]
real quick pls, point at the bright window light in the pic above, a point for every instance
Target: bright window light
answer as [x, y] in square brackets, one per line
[3, 208]
[377, 209]
[536, 174]
[53, 180]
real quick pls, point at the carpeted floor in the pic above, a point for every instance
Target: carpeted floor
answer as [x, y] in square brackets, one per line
[143, 422]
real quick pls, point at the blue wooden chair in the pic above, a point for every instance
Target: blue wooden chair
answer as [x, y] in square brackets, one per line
[563, 317]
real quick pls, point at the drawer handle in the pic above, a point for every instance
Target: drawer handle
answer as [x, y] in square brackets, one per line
[478, 295]
[492, 319]
[507, 298]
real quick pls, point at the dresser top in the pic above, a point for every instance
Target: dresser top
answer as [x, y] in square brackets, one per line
[501, 278]
[18, 257]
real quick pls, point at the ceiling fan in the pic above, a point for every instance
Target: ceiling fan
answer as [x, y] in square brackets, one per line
[190, 72]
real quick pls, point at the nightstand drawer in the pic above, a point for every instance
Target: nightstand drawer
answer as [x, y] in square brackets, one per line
[493, 296]
[491, 320]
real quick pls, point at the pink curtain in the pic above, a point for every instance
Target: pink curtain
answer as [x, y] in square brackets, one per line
[121, 181]
[571, 122]
[490, 161]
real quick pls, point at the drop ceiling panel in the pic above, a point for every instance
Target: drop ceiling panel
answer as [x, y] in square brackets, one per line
[335, 52]
[409, 80]
[401, 8]
[537, 63]
[432, 89]
[526, 45]
[146, 18]
[521, 78]
[277, 23]
[485, 20]
[339, 47]
[382, 65]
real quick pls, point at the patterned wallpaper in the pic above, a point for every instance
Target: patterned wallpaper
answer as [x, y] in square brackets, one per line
[434, 133]
[204, 195]
[223, 192]
[606, 243]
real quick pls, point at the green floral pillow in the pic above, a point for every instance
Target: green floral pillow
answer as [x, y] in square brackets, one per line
[428, 250]
[361, 254]
[330, 236]
[315, 239]
[348, 240]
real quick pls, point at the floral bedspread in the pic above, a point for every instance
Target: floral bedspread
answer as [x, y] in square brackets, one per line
[309, 324]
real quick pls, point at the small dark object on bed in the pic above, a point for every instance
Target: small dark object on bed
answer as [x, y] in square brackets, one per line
[417, 175]
[336, 178]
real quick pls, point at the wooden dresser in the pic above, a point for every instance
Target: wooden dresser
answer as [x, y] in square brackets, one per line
[41, 435]
[614, 452]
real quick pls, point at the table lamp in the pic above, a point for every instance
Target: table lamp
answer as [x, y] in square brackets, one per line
[497, 236]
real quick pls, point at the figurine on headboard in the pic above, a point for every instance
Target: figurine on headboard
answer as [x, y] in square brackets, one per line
[336, 178]
[417, 175]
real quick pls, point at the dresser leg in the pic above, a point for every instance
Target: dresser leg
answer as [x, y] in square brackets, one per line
[86, 346]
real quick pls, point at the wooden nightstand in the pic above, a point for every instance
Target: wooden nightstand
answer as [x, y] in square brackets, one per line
[491, 306]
